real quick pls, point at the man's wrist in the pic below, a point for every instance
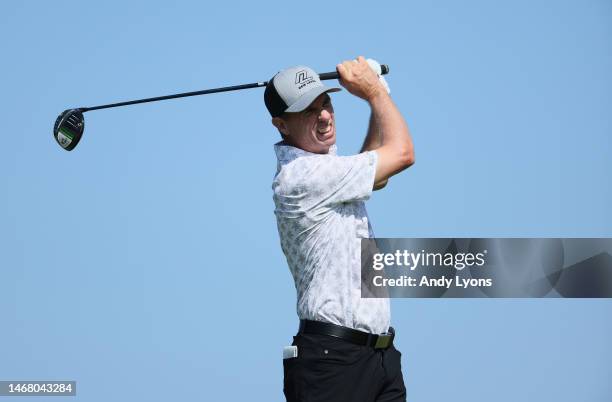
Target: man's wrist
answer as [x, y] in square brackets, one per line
[377, 95]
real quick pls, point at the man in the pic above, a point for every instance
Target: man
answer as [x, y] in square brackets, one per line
[343, 350]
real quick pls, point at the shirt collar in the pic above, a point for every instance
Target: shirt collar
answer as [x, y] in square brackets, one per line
[286, 153]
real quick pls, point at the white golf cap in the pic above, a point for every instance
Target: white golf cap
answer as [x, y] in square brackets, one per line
[293, 90]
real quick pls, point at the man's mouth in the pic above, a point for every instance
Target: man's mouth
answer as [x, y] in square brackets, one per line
[324, 132]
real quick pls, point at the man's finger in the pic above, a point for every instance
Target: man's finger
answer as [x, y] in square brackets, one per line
[348, 67]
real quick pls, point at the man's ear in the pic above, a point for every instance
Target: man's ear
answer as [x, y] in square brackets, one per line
[280, 124]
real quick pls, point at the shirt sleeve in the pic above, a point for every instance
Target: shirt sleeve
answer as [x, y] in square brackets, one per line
[338, 179]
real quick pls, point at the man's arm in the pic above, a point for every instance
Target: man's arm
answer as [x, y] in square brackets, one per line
[396, 151]
[373, 141]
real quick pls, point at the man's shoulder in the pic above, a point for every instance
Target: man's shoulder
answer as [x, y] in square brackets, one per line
[296, 172]
[315, 168]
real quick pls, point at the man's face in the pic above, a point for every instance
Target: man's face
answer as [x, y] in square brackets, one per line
[313, 129]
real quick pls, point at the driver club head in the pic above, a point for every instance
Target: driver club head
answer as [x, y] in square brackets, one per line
[68, 128]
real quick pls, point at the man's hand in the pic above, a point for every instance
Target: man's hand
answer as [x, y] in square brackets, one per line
[378, 70]
[359, 79]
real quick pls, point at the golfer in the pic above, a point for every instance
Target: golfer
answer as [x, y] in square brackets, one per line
[343, 350]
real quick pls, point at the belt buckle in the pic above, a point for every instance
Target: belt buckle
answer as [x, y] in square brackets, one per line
[383, 341]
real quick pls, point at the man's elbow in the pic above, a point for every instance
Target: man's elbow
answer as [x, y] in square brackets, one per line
[380, 184]
[406, 157]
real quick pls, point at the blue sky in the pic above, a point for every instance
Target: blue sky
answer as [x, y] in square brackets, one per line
[146, 264]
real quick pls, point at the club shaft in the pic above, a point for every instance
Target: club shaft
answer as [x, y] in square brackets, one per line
[323, 76]
[181, 95]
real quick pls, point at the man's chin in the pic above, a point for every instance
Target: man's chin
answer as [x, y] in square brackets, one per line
[330, 141]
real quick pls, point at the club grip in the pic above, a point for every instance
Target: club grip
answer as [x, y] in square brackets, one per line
[334, 74]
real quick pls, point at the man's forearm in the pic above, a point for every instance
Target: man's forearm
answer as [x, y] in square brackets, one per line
[373, 137]
[389, 124]
[386, 125]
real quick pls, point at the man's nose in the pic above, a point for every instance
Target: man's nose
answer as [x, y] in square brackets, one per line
[324, 115]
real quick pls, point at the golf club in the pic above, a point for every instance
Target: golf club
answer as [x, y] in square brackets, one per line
[70, 124]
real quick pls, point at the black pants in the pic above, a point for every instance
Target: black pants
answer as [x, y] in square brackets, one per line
[328, 369]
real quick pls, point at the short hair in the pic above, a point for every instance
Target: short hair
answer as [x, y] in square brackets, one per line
[284, 117]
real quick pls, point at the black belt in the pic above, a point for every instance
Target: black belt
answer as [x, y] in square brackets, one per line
[381, 341]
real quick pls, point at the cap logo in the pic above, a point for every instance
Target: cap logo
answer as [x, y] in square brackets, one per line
[302, 79]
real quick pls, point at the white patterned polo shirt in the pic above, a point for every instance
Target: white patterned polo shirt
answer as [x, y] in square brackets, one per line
[321, 216]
